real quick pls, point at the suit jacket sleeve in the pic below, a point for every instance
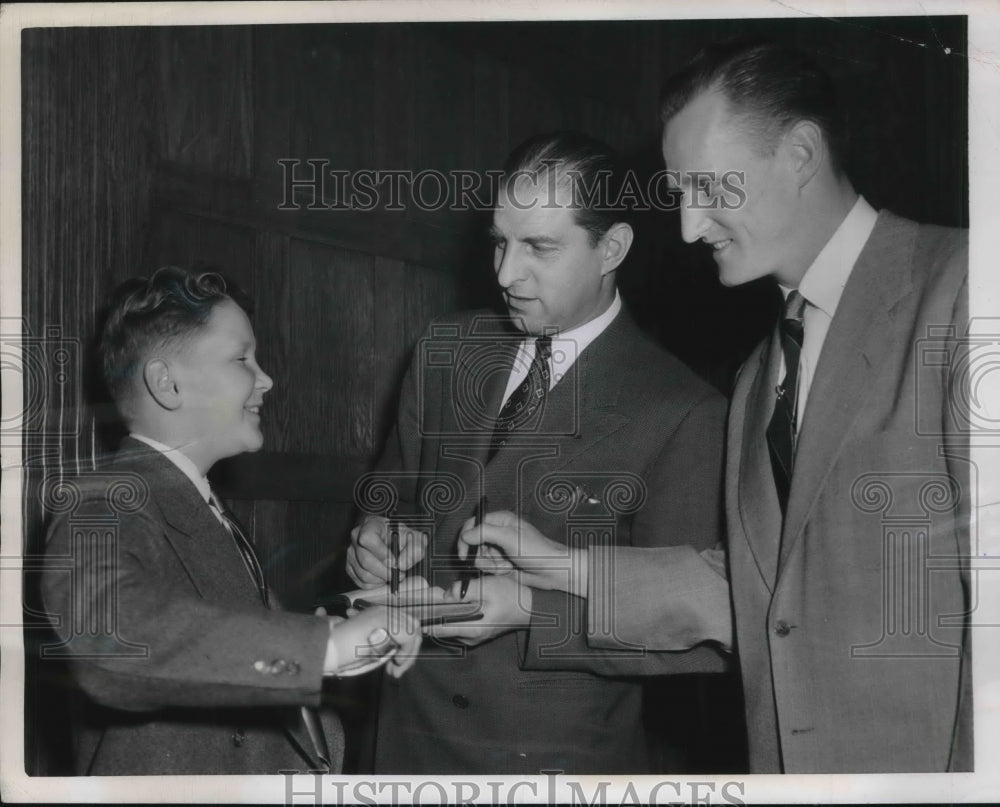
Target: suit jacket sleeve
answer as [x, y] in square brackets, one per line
[171, 647]
[660, 605]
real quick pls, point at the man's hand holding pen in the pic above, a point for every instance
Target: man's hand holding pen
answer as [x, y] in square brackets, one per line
[371, 558]
[508, 544]
[505, 605]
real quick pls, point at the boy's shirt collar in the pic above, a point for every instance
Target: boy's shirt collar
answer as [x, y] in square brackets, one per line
[182, 461]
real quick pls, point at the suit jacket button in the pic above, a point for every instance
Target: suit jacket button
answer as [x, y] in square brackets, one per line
[278, 666]
[460, 701]
[261, 666]
[239, 736]
[782, 628]
[293, 668]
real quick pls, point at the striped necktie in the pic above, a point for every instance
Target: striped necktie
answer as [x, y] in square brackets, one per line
[244, 546]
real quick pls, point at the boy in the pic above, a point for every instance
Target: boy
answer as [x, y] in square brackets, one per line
[198, 671]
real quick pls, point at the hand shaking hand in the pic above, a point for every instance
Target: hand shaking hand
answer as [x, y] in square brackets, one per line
[369, 638]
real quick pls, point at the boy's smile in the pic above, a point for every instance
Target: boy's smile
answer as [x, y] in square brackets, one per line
[221, 387]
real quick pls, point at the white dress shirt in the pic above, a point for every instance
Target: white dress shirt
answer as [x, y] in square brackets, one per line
[822, 286]
[566, 349]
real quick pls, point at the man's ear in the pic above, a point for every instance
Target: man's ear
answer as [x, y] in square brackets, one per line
[616, 243]
[161, 384]
[807, 151]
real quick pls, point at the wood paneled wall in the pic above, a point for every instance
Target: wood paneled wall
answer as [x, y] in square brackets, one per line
[87, 143]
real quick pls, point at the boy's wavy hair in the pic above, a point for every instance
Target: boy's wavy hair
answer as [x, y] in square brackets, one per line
[145, 314]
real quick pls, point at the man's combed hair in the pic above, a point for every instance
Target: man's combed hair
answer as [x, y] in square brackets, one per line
[147, 314]
[770, 86]
[590, 166]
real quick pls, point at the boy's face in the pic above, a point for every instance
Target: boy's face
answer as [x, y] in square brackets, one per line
[222, 386]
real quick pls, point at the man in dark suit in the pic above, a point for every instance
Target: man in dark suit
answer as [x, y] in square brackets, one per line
[156, 594]
[847, 481]
[563, 412]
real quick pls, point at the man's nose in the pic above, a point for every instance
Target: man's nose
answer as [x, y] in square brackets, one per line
[509, 267]
[694, 220]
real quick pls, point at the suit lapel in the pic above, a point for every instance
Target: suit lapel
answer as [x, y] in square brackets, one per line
[855, 345]
[759, 510]
[201, 543]
[583, 406]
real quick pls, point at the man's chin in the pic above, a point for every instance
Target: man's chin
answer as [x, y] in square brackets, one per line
[519, 321]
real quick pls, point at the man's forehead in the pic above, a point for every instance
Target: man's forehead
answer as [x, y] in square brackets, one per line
[703, 134]
[707, 118]
[546, 187]
[533, 215]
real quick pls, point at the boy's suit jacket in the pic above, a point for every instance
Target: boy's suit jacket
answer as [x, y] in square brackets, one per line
[185, 670]
[849, 616]
[629, 451]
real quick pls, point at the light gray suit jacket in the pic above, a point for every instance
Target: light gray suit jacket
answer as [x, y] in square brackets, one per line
[850, 615]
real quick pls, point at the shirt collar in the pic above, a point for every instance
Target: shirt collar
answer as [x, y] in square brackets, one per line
[823, 283]
[182, 461]
[583, 335]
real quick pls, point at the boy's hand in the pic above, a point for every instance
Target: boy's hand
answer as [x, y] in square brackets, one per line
[371, 637]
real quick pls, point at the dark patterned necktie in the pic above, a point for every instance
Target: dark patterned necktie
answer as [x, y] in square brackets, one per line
[310, 717]
[781, 430]
[526, 402]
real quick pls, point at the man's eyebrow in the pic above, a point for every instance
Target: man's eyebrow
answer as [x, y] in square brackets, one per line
[494, 233]
[540, 240]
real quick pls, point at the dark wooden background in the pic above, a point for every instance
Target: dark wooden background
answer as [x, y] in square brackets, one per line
[147, 146]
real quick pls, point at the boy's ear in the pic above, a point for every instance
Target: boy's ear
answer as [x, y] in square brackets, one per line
[161, 384]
